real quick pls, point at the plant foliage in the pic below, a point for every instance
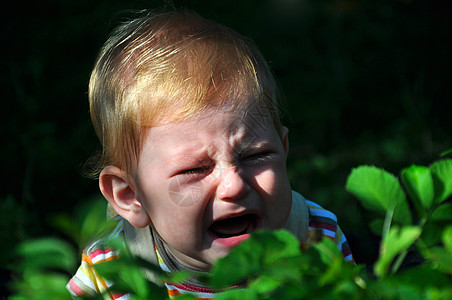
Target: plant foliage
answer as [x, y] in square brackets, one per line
[415, 212]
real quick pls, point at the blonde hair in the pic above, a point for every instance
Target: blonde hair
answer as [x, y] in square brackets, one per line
[164, 67]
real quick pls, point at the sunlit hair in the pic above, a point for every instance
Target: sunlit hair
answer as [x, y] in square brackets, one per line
[167, 67]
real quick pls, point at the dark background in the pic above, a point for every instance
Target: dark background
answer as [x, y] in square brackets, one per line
[366, 82]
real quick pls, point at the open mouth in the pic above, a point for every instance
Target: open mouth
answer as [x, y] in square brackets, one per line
[235, 226]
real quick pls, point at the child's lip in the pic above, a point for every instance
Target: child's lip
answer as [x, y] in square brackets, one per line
[233, 241]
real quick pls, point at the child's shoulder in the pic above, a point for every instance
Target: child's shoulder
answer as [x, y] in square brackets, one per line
[325, 222]
[100, 249]
[86, 282]
[318, 212]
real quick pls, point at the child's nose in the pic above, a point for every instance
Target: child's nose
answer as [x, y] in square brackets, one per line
[232, 185]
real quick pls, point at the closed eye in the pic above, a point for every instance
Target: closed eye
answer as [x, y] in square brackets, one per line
[260, 157]
[204, 170]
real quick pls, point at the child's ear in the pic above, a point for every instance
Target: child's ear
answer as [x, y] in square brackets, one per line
[120, 192]
[285, 139]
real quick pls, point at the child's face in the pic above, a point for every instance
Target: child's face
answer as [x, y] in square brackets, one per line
[209, 181]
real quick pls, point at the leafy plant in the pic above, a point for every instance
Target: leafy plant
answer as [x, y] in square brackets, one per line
[414, 216]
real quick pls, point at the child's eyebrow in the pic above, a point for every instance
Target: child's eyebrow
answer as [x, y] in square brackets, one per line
[192, 157]
[180, 162]
[252, 144]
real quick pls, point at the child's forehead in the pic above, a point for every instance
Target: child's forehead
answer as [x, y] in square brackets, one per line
[236, 128]
[250, 125]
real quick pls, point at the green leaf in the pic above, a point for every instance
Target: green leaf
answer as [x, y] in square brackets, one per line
[397, 241]
[94, 221]
[337, 269]
[419, 184]
[422, 277]
[262, 250]
[47, 253]
[431, 234]
[333, 273]
[185, 297]
[238, 294]
[241, 263]
[438, 294]
[127, 277]
[287, 269]
[442, 179]
[265, 284]
[66, 224]
[127, 273]
[40, 285]
[441, 258]
[408, 291]
[380, 191]
[278, 244]
[447, 238]
[328, 251]
[446, 153]
[376, 226]
[178, 277]
[442, 213]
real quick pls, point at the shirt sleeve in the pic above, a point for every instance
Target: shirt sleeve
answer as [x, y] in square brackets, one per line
[326, 222]
[86, 282]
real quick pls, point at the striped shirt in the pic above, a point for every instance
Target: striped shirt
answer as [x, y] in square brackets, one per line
[326, 221]
[86, 282]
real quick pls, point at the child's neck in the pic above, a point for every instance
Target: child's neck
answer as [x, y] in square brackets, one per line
[173, 265]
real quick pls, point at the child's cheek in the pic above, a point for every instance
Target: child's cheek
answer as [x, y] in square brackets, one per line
[266, 182]
[187, 193]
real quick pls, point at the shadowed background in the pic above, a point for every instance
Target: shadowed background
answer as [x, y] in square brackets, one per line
[364, 82]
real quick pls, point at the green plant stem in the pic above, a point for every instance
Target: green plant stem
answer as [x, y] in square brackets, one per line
[402, 256]
[399, 262]
[387, 225]
[423, 248]
[386, 228]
